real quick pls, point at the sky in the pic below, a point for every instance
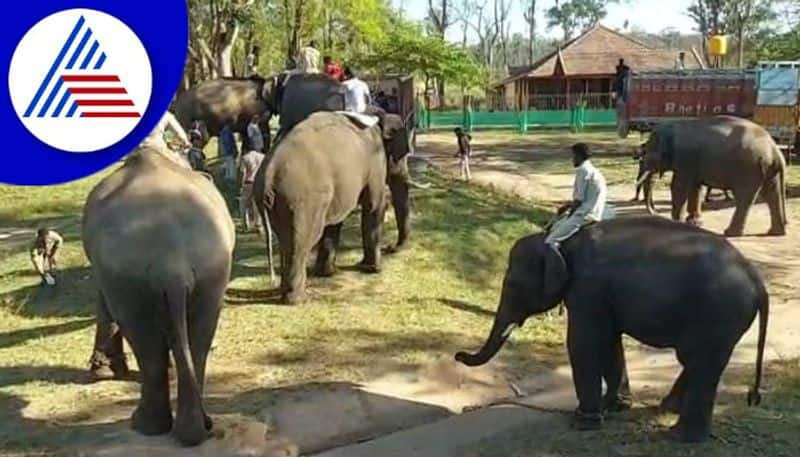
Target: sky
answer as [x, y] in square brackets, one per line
[650, 15]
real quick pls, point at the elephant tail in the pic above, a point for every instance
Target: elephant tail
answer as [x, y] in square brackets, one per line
[754, 396]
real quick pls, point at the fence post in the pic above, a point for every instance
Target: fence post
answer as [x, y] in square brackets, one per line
[522, 115]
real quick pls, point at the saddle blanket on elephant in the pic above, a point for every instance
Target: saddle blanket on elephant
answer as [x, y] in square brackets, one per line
[362, 120]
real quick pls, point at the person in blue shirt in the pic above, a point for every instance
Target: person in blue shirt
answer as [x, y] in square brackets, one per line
[228, 151]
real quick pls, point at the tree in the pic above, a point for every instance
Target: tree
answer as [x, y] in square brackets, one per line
[574, 15]
[216, 25]
[407, 50]
[744, 18]
[440, 20]
[529, 14]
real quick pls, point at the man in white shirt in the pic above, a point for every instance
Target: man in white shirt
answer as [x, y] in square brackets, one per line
[308, 59]
[356, 96]
[588, 199]
[250, 164]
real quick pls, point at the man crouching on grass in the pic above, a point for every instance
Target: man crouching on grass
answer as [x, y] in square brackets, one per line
[44, 254]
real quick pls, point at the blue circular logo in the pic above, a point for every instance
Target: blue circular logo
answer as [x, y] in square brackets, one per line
[86, 83]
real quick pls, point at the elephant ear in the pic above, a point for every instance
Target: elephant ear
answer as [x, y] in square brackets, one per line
[666, 145]
[555, 275]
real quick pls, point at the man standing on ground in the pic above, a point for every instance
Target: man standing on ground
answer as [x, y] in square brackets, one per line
[44, 251]
[356, 96]
[588, 199]
[250, 165]
[464, 153]
[255, 138]
[228, 151]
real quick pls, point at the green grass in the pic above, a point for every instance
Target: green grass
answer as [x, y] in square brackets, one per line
[430, 301]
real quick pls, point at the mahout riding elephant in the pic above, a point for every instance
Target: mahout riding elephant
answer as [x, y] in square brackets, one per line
[301, 95]
[666, 284]
[724, 152]
[160, 241]
[323, 168]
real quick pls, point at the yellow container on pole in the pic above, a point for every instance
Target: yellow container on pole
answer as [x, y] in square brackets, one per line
[718, 45]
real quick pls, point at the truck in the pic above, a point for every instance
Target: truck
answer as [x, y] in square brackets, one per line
[655, 97]
[767, 95]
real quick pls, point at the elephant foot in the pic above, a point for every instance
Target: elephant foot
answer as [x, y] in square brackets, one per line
[694, 221]
[207, 422]
[368, 267]
[733, 233]
[294, 298]
[102, 367]
[670, 404]
[325, 272]
[635, 199]
[587, 421]
[617, 404]
[190, 429]
[688, 434]
[152, 423]
[395, 248]
[777, 231]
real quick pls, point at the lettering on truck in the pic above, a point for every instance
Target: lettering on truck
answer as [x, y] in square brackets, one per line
[688, 110]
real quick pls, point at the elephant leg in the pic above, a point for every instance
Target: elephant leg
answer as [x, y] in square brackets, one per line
[202, 327]
[673, 402]
[694, 205]
[702, 373]
[326, 254]
[680, 194]
[772, 194]
[615, 373]
[308, 224]
[584, 356]
[745, 197]
[708, 195]
[372, 210]
[400, 195]
[108, 350]
[153, 415]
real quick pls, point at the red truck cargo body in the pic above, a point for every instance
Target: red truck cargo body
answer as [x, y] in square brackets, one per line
[655, 97]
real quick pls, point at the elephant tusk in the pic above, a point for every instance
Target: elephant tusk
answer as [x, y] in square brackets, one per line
[510, 328]
[644, 178]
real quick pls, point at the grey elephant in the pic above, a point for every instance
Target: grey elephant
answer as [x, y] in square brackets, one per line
[223, 101]
[666, 284]
[234, 101]
[726, 153]
[160, 241]
[324, 168]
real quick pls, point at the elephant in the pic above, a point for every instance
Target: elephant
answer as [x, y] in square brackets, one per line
[293, 97]
[724, 152]
[664, 283]
[323, 168]
[160, 241]
[223, 101]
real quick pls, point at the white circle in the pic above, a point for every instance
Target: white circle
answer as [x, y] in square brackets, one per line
[91, 127]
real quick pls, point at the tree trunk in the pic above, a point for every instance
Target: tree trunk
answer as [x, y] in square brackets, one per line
[225, 56]
[740, 37]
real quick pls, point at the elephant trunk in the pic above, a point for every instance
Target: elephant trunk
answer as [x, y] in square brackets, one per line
[647, 182]
[399, 187]
[502, 327]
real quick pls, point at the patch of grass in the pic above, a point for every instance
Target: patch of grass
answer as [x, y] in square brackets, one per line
[739, 431]
[431, 300]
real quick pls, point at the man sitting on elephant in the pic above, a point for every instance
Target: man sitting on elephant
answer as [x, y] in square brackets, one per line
[588, 199]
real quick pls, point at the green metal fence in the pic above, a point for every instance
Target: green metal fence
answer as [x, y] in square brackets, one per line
[576, 119]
